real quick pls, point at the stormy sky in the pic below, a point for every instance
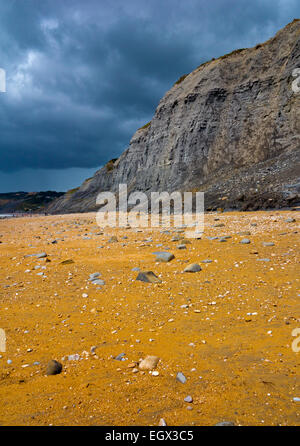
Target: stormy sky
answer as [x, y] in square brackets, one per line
[83, 75]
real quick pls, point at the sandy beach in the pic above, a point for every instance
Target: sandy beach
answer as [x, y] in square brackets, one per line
[227, 328]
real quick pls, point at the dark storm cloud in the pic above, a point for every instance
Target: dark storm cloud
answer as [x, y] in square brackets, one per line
[83, 75]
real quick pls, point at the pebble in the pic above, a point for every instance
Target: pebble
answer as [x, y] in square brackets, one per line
[180, 377]
[41, 255]
[120, 357]
[148, 276]
[149, 363]
[188, 399]
[181, 246]
[53, 367]
[98, 282]
[164, 257]
[245, 241]
[162, 422]
[193, 268]
[268, 243]
[94, 276]
[67, 262]
[225, 423]
[74, 357]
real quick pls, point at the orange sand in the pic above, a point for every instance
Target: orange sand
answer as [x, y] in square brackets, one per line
[237, 370]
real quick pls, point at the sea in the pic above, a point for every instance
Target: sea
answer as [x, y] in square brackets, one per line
[6, 215]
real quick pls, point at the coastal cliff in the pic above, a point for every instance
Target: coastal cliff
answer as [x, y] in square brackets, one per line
[230, 128]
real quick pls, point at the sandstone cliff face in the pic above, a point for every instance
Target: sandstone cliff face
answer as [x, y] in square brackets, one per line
[230, 128]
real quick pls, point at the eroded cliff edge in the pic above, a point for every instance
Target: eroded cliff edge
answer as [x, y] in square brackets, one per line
[230, 128]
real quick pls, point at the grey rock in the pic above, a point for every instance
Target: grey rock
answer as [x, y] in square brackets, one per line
[94, 276]
[41, 255]
[164, 257]
[188, 399]
[181, 378]
[98, 282]
[148, 276]
[181, 246]
[245, 241]
[120, 357]
[193, 268]
[225, 423]
[268, 243]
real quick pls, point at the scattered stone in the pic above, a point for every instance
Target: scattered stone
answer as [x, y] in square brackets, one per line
[206, 261]
[225, 423]
[149, 363]
[186, 241]
[41, 255]
[113, 239]
[162, 422]
[74, 357]
[268, 243]
[137, 269]
[245, 241]
[67, 262]
[98, 282]
[192, 268]
[188, 399]
[94, 276]
[290, 220]
[148, 276]
[181, 378]
[181, 246]
[164, 257]
[53, 368]
[120, 357]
